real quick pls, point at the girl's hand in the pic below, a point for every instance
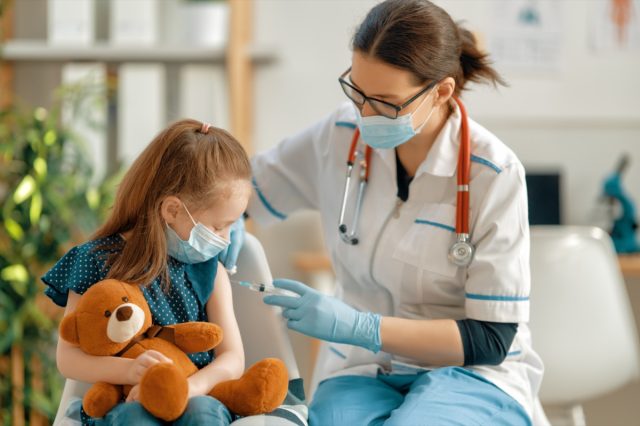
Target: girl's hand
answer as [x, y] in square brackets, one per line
[134, 394]
[140, 365]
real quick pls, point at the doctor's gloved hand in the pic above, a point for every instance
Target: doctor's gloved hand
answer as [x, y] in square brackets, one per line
[229, 256]
[325, 317]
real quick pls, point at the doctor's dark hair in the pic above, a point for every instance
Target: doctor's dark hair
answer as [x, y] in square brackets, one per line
[198, 164]
[420, 37]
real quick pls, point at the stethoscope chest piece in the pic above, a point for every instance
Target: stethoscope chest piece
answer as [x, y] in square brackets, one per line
[461, 252]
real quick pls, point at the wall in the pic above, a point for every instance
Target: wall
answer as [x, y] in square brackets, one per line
[580, 120]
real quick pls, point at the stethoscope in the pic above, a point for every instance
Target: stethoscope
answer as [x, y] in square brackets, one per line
[461, 251]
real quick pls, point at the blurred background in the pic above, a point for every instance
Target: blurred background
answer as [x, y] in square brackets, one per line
[86, 84]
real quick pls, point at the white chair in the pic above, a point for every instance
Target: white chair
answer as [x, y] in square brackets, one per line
[581, 319]
[263, 335]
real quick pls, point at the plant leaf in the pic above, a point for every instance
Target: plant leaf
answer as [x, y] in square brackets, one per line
[14, 229]
[40, 166]
[25, 189]
[15, 273]
[36, 208]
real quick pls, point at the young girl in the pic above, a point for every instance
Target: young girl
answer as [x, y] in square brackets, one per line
[170, 221]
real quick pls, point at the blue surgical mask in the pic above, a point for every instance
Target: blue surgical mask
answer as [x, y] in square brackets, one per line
[202, 245]
[382, 132]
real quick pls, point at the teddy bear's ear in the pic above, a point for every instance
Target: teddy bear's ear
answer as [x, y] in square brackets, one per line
[69, 329]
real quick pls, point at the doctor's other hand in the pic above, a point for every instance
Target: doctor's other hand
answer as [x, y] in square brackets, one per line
[229, 256]
[325, 317]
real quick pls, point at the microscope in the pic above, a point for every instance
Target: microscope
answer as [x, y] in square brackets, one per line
[623, 231]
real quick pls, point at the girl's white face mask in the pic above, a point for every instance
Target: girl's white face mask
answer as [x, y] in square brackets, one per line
[202, 245]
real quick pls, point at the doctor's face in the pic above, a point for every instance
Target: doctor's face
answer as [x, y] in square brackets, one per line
[377, 79]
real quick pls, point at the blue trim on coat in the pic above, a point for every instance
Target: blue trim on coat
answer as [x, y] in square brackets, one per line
[487, 163]
[266, 203]
[436, 224]
[497, 298]
[346, 124]
[337, 352]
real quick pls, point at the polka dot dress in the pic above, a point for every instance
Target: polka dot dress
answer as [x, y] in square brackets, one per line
[191, 285]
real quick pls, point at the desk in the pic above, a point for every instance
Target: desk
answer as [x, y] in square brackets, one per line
[630, 265]
[314, 262]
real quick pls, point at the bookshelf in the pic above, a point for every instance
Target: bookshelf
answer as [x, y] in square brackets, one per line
[240, 58]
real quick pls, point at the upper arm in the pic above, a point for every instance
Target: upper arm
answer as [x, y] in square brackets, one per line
[72, 302]
[286, 177]
[498, 279]
[220, 311]
[63, 347]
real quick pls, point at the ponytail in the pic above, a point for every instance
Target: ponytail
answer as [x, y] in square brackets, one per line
[474, 64]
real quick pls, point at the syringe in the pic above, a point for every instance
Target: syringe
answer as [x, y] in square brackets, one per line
[264, 288]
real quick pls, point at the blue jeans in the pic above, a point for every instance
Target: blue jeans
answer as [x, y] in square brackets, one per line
[201, 410]
[443, 397]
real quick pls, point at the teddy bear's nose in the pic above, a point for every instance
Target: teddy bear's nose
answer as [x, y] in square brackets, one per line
[124, 313]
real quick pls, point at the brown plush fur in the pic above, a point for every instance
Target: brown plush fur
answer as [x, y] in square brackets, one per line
[98, 320]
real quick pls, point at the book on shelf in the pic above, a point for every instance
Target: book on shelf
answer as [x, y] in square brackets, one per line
[141, 111]
[84, 110]
[71, 22]
[203, 94]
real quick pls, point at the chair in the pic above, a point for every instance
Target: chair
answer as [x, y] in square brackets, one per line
[581, 318]
[263, 335]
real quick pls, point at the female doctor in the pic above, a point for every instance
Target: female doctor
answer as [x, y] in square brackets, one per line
[418, 332]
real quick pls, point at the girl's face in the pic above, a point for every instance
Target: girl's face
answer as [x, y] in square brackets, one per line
[218, 217]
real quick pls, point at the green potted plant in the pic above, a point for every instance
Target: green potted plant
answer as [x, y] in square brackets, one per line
[48, 204]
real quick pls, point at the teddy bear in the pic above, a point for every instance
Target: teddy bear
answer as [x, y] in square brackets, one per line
[113, 319]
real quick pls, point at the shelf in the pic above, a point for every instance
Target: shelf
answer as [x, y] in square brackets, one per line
[39, 51]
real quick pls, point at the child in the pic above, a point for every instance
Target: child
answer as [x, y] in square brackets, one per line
[170, 221]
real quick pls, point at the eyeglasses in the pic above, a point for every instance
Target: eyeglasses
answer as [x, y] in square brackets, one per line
[384, 108]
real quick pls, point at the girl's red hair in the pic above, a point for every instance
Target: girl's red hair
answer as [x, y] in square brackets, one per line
[181, 161]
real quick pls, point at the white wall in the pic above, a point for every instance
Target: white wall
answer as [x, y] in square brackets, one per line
[579, 120]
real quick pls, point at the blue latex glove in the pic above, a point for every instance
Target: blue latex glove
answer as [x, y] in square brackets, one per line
[326, 317]
[229, 256]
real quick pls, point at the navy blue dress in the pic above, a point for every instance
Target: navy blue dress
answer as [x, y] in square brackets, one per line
[191, 285]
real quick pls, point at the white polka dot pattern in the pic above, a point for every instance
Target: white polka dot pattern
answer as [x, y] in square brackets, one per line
[191, 285]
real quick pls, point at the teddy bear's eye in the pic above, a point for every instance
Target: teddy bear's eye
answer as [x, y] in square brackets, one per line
[125, 299]
[107, 313]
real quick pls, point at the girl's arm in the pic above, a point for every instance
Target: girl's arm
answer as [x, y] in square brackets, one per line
[73, 363]
[229, 361]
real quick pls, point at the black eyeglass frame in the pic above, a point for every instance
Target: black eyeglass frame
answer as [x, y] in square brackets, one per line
[366, 98]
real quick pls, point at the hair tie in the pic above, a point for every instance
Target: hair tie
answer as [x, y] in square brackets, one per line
[205, 127]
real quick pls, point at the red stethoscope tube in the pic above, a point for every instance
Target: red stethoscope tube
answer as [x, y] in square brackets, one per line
[464, 173]
[462, 251]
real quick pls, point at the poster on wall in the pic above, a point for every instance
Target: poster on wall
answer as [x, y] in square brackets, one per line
[615, 25]
[526, 36]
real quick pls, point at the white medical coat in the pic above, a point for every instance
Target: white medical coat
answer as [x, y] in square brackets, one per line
[400, 266]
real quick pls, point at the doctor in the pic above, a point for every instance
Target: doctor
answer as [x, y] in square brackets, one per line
[416, 334]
